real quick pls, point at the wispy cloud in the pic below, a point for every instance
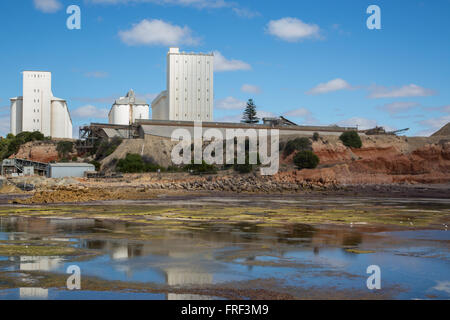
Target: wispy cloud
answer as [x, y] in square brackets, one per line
[223, 64]
[157, 32]
[198, 4]
[361, 123]
[96, 74]
[292, 29]
[411, 90]
[230, 103]
[249, 88]
[246, 13]
[330, 86]
[201, 4]
[47, 6]
[398, 107]
[302, 113]
[429, 126]
[90, 111]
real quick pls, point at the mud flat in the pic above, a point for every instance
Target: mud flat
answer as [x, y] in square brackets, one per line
[228, 247]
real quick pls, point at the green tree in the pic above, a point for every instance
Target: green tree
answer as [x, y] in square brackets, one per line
[306, 159]
[298, 144]
[351, 139]
[250, 113]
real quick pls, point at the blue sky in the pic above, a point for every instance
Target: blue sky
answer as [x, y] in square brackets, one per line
[315, 62]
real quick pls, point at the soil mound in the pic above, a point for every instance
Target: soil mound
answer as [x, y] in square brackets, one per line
[444, 131]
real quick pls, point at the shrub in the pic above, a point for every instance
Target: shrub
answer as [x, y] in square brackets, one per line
[107, 147]
[306, 160]
[247, 167]
[201, 168]
[315, 136]
[97, 165]
[131, 164]
[351, 139]
[64, 148]
[298, 144]
[11, 144]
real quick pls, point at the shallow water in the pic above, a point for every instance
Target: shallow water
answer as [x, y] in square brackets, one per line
[294, 259]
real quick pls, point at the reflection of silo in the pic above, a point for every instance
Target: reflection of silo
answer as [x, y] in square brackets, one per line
[33, 293]
[186, 277]
[30, 263]
[120, 252]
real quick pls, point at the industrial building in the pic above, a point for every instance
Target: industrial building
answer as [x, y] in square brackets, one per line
[69, 169]
[126, 110]
[38, 110]
[190, 88]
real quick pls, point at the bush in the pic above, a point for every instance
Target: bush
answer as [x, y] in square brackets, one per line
[11, 144]
[201, 168]
[64, 148]
[306, 160]
[247, 167]
[316, 136]
[97, 165]
[107, 147]
[131, 164]
[298, 144]
[351, 139]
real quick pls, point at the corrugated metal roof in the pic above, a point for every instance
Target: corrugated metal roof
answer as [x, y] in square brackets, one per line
[71, 164]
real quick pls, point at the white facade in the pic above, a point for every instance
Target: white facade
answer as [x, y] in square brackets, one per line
[128, 109]
[38, 109]
[190, 88]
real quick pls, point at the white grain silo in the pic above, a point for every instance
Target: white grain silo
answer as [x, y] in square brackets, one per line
[60, 118]
[126, 110]
[34, 110]
[16, 115]
[190, 88]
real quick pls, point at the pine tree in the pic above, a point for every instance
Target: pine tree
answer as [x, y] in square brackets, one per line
[250, 113]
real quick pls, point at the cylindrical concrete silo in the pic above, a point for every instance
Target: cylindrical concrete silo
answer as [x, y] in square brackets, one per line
[141, 111]
[121, 114]
[58, 129]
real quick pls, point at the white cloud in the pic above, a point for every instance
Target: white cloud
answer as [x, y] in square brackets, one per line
[223, 64]
[443, 109]
[298, 113]
[96, 74]
[303, 113]
[410, 90]
[157, 32]
[332, 85]
[292, 29]
[246, 13]
[47, 6]
[443, 286]
[361, 123]
[432, 125]
[90, 111]
[398, 107]
[230, 103]
[248, 88]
